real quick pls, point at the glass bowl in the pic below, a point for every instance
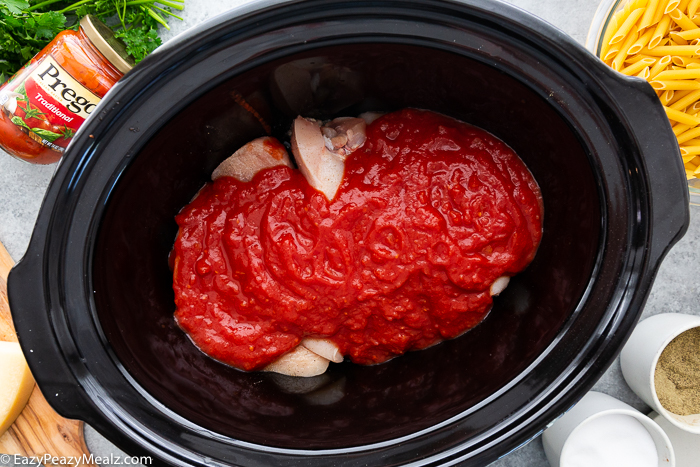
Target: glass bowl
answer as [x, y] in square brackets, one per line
[601, 20]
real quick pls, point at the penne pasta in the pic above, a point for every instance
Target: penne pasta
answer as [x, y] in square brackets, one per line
[624, 49]
[626, 26]
[680, 128]
[689, 151]
[644, 73]
[660, 9]
[684, 50]
[682, 117]
[659, 41]
[649, 15]
[696, 162]
[613, 50]
[688, 135]
[682, 20]
[671, 5]
[686, 100]
[687, 73]
[642, 42]
[639, 66]
[678, 95]
[667, 96]
[693, 7]
[660, 31]
[659, 66]
[637, 57]
[677, 40]
[691, 34]
[676, 85]
[609, 31]
[680, 61]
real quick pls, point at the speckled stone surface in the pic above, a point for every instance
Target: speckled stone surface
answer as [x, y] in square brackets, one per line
[676, 289]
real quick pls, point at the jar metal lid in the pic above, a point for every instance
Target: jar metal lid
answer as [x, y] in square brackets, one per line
[106, 42]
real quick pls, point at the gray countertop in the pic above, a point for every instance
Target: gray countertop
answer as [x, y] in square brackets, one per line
[676, 289]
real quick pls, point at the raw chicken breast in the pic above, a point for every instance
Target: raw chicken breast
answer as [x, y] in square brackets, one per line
[255, 156]
[320, 151]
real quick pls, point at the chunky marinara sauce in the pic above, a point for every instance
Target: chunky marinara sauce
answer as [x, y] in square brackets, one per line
[430, 212]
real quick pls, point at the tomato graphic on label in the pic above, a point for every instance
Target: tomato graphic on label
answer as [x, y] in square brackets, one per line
[35, 120]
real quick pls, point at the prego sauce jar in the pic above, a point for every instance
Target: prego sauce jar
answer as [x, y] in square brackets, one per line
[45, 103]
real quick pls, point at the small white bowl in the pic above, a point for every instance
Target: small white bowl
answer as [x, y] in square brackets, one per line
[641, 354]
[595, 405]
[686, 446]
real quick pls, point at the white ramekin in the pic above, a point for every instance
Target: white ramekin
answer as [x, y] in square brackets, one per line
[642, 352]
[595, 405]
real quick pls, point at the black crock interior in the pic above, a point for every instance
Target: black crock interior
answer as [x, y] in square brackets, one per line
[355, 405]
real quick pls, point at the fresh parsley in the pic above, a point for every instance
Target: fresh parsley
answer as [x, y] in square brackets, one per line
[26, 27]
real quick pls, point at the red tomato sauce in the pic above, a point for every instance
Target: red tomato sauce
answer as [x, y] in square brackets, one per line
[430, 212]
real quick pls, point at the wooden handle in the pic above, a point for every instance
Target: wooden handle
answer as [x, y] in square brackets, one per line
[38, 430]
[7, 330]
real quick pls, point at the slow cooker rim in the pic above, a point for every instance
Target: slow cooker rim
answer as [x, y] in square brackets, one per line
[37, 245]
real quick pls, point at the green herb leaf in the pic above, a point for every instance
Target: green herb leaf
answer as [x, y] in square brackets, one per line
[26, 27]
[18, 121]
[139, 41]
[14, 6]
[48, 23]
[46, 134]
[67, 132]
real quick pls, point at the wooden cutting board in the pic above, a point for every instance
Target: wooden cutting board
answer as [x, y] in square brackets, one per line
[38, 430]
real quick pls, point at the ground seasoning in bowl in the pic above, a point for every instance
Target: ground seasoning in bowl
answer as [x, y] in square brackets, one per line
[677, 375]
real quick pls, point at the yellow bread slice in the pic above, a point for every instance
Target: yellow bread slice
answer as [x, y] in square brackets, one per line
[16, 383]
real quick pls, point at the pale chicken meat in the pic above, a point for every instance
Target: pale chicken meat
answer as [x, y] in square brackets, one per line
[323, 347]
[259, 154]
[344, 135]
[499, 285]
[299, 362]
[320, 150]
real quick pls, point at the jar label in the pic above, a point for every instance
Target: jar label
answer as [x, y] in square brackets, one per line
[48, 104]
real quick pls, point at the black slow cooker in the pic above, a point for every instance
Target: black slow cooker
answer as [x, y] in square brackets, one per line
[92, 298]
